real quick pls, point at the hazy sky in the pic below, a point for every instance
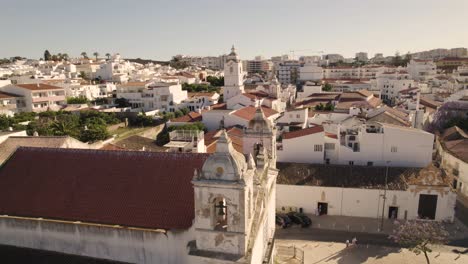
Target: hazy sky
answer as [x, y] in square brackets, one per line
[159, 29]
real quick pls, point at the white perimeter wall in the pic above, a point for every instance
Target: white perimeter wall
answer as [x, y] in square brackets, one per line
[125, 245]
[360, 202]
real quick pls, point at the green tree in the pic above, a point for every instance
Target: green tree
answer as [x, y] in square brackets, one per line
[83, 75]
[66, 124]
[77, 100]
[108, 55]
[215, 81]
[122, 102]
[47, 56]
[327, 87]
[65, 56]
[94, 133]
[84, 54]
[96, 54]
[5, 122]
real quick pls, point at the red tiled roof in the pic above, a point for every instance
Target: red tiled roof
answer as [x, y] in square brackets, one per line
[234, 133]
[127, 188]
[248, 112]
[303, 132]
[219, 106]
[407, 90]
[38, 86]
[190, 117]
[4, 95]
[331, 135]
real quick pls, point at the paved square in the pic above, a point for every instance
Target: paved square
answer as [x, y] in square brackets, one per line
[337, 253]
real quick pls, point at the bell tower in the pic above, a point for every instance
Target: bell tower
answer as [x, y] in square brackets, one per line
[223, 201]
[233, 76]
[260, 132]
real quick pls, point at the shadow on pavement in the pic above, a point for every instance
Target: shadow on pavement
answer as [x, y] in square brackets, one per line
[359, 254]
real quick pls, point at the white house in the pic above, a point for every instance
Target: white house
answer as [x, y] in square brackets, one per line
[356, 142]
[302, 146]
[8, 104]
[152, 96]
[37, 97]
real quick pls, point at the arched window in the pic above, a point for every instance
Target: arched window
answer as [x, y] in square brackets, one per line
[231, 70]
[220, 214]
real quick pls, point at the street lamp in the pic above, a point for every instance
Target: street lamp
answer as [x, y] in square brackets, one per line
[384, 196]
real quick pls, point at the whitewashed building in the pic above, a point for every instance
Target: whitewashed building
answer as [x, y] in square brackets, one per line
[357, 191]
[152, 96]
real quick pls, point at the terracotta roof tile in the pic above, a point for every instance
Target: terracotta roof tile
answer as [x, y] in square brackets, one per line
[303, 132]
[248, 112]
[127, 188]
[190, 117]
[38, 86]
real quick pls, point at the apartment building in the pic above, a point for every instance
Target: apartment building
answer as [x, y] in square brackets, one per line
[422, 70]
[37, 97]
[390, 83]
[288, 72]
[361, 56]
[149, 96]
[258, 65]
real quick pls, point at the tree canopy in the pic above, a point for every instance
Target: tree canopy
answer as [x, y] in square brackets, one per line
[88, 126]
[77, 100]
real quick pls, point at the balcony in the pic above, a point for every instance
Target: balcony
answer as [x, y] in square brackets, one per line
[48, 99]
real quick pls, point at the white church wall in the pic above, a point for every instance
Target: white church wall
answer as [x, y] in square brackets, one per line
[121, 244]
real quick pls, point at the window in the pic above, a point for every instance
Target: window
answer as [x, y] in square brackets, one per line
[370, 163]
[351, 162]
[394, 149]
[318, 148]
[329, 145]
[298, 116]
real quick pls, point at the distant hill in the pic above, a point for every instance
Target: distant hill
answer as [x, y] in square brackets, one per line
[144, 61]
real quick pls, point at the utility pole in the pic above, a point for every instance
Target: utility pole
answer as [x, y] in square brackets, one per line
[384, 198]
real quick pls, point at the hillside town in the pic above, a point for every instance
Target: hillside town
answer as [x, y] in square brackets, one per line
[223, 160]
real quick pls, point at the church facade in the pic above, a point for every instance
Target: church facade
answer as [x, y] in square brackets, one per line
[141, 207]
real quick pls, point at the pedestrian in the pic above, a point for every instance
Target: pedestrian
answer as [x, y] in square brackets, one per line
[354, 241]
[347, 242]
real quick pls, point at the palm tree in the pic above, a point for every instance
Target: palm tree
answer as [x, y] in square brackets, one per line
[108, 56]
[96, 54]
[84, 54]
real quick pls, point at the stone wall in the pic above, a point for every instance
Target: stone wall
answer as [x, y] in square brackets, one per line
[115, 243]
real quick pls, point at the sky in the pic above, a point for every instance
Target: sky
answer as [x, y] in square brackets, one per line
[155, 29]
